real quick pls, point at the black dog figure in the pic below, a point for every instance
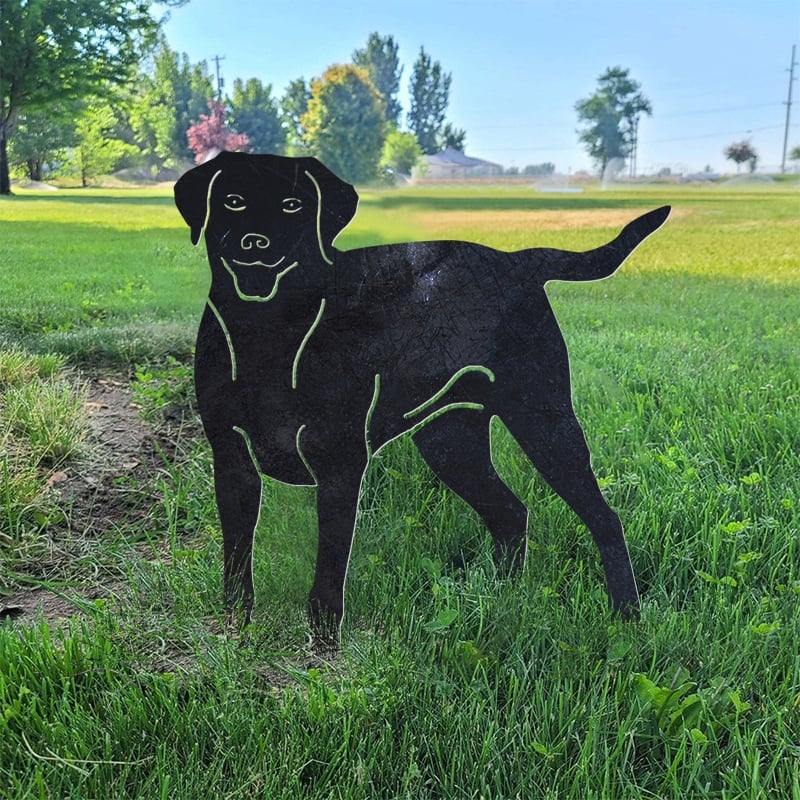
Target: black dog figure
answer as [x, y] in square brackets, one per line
[310, 359]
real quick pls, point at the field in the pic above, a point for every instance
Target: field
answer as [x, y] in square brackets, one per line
[451, 682]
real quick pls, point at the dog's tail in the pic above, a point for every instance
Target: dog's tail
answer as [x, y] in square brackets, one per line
[591, 265]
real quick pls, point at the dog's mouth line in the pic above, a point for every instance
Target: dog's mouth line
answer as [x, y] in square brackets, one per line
[261, 298]
[258, 263]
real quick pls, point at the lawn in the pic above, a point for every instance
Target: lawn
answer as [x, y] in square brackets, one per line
[451, 683]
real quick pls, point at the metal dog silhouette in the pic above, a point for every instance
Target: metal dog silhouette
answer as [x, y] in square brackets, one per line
[310, 359]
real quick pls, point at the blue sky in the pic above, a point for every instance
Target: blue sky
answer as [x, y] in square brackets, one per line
[715, 71]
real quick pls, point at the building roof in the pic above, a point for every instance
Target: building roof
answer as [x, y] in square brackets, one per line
[455, 158]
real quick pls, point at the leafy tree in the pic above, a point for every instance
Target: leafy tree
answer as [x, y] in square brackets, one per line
[171, 96]
[794, 154]
[741, 152]
[294, 105]
[211, 134]
[430, 94]
[379, 59]
[401, 151]
[453, 138]
[344, 125]
[97, 151]
[255, 112]
[610, 116]
[57, 51]
[41, 139]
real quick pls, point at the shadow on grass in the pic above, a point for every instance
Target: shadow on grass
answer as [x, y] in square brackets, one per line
[91, 199]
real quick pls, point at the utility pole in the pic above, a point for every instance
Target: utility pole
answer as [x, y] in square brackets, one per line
[788, 104]
[634, 146]
[220, 80]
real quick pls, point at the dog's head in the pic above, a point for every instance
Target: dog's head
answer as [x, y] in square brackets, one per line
[264, 215]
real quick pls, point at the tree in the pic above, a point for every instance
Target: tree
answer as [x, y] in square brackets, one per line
[254, 112]
[344, 125]
[379, 59]
[41, 139]
[611, 117]
[453, 138]
[430, 94]
[794, 155]
[545, 168]
[170, 97]
[401, 151]
[97, 151]
[294, 105]
[211, 134]
[739, 152]
[59, 51]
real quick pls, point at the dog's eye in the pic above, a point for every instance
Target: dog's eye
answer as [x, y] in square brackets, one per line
[291, 205]
[235, 202]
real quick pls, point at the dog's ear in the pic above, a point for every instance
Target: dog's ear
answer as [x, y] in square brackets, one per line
[192, 195]
[338, 201]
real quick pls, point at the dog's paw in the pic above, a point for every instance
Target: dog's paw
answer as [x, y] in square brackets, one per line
[326, 624]
[628, 612]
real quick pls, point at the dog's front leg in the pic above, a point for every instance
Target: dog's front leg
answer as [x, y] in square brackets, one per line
[237, 484]
[338, 489]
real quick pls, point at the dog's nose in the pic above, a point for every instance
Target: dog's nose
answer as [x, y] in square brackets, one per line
[251, 240]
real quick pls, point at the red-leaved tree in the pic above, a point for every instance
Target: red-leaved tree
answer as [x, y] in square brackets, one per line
[210, 135]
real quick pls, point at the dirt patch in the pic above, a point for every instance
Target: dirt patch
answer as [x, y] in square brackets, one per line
[98, 492]
[47, 605]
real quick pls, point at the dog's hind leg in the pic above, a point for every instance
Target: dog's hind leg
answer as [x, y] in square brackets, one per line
[457, 447]
[237, 484]
[555, 444]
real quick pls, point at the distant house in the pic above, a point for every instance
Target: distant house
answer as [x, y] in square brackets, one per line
[454, 165]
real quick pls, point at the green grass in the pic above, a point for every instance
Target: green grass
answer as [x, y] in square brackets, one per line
[686, 372]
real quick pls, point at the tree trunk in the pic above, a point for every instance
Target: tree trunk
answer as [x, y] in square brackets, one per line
[5, 181]
[35, 169]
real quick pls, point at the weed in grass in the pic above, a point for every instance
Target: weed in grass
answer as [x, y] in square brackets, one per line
[164, 390]
[18, 367]
[42, 423]
[50, 416]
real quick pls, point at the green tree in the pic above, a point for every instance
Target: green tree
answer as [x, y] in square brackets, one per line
[170, 97]
[430, 94]
[97, 151]
[57, 51]
[254, 111]
[294, 105]
[401, 151]
[344, 125]
[41, 139]
[453, 138]
[379, 59]
[610, 116]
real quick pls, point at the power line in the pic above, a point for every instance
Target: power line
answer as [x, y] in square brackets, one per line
[788, 110]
